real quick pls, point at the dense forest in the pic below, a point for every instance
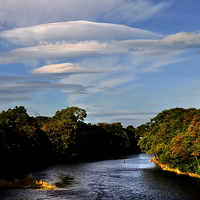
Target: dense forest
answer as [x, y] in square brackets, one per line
[27, 141]
[173, 137]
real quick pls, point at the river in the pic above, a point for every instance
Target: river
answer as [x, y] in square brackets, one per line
[137, 178]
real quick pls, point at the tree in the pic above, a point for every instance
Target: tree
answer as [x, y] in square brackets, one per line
[22, 142]
[21, 133]
[62, 137]
[71, 115]
[116, 139]
[133, 136]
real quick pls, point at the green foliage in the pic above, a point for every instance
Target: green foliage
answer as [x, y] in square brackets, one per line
[86, 140]
[116, 137]
[20, 135]
[133, 136]
[105, 140]
[41, 120]
[62, 137]
[71, 115]
[174, 137]
[65, 136]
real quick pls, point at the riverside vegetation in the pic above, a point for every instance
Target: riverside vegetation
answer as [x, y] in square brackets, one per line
[27, 143]
[173, 137]
[26, 183]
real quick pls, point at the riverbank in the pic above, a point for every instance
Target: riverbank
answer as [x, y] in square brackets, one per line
[26, 183]
[166, 168]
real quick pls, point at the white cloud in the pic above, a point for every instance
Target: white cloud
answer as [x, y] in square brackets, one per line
[138, 47]
[183, 38]
[113, 82]
[49, 52]
[64, 69]
[56, 68]
[142, 48]
[27, 12]
[145, 48]
[73, 31]
[155, 53]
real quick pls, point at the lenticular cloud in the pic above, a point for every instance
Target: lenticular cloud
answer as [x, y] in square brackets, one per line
[73, 31]
[64, 69]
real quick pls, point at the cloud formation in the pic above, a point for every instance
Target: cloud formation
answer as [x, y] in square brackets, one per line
[73, 31]
[32, 86]
[169, 46]
[64, 69]
[48, 52]
[99, 53]
[50, 36]
[184, 38]
[18, 90]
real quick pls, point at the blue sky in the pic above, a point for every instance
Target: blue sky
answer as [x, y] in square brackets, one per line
[120, 60]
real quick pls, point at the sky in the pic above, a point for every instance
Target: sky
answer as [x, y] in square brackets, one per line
[120, 60]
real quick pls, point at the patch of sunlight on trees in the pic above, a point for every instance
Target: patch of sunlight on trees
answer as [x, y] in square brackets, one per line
[173, 137]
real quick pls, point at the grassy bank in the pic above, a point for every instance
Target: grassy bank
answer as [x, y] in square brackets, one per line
[26, 183]
[165, 167]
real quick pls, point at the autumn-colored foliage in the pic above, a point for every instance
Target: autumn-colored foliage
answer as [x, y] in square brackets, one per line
[173, 137]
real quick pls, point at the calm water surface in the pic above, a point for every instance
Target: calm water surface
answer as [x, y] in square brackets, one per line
[137, 178]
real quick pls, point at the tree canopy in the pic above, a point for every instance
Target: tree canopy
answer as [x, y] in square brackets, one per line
[65, 136]
[173, 136]
[71, 114]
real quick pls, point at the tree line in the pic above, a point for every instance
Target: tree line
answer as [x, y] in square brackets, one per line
[173, 137]
[29, 141]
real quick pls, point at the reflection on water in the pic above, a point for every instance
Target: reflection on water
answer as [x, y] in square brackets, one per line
[137, 178]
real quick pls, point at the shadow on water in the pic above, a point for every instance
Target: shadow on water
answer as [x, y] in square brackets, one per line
[169, 185]
[66, 182]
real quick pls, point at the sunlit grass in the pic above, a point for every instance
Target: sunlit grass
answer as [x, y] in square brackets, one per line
[26, 183]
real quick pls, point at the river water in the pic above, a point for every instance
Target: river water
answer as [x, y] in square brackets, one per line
[137, 178]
